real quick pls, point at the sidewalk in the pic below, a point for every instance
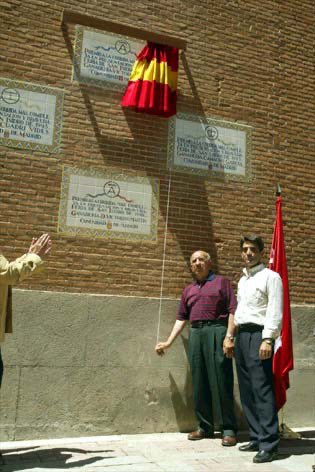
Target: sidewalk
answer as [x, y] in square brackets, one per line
[165, 452]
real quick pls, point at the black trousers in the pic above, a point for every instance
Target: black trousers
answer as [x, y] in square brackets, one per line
[256, 389]
[212, 378]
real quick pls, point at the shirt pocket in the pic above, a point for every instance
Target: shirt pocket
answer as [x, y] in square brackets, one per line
[258, 296]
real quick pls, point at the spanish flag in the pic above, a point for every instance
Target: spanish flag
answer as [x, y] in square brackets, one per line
[152, 86]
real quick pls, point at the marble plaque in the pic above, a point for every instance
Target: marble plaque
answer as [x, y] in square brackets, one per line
[30, 116]
[108, 205]
[104, 59]
[205, 146]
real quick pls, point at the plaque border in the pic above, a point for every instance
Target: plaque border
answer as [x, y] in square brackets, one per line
[216, 122]
[58, 121]
[64, 230]
[76, 65]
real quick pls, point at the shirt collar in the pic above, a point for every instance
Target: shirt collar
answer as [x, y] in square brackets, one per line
[253, 270]
[210, 277]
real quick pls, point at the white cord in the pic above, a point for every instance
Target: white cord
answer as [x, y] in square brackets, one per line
[164, 254]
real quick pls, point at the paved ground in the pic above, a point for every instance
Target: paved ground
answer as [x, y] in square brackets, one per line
[167, 452]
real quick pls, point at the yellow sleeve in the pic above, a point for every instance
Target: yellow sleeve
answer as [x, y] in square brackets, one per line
[12, 272]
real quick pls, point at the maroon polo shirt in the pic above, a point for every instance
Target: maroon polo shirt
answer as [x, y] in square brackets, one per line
[211, 299]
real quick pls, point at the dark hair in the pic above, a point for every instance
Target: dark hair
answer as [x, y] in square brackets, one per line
[252, 238]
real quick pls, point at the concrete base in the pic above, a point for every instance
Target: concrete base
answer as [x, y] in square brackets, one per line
[80, 365]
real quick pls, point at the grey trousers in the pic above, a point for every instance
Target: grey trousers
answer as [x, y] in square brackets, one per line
[212, 378]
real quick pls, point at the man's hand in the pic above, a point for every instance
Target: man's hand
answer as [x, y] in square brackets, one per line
[160, 348]
[228, 347]
[41, 246]
[265, 351]
[177, 329]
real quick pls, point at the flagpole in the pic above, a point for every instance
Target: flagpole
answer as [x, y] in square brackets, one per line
[284, 430]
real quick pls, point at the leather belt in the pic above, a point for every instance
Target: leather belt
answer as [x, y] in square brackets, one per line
[202, 323]
[249, 327]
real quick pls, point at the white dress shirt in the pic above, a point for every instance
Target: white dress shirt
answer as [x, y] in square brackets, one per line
[260, 300]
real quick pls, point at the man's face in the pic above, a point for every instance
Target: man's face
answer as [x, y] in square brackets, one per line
[251, 254]
[200, 265]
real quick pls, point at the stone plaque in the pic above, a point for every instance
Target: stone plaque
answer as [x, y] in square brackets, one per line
[104, 59]
[30, 116]
[108, 205]
[204, 146]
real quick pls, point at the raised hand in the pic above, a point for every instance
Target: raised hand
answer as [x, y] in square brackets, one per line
[41, 246]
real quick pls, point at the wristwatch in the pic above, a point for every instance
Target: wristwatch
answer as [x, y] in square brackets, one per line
[268, 341]
[230, 337]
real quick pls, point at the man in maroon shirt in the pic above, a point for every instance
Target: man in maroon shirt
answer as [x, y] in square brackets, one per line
[209, 305]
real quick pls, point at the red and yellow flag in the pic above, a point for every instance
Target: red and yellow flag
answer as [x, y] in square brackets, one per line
[152, 86]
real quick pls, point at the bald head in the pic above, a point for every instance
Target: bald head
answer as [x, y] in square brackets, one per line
[200, 264]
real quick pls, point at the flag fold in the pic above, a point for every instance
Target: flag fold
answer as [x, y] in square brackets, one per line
[152, 86]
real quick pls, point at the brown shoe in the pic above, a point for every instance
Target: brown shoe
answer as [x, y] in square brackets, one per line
[199, 434]
[229, 441]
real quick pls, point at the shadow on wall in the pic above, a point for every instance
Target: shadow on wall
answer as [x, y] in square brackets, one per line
[183, 405]
[195, 230]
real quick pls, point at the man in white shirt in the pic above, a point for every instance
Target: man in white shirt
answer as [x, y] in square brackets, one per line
[258, 320]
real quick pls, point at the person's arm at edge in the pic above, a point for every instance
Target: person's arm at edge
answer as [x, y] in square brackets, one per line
[22, 267]
[177, 329]
[273, 315]
[228, 343]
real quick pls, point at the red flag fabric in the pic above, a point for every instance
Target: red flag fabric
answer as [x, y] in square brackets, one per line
[283, 356]
[152, 86]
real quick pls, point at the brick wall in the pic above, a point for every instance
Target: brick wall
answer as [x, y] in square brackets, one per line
[246, 61]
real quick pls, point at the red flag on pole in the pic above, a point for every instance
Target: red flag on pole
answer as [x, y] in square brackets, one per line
[283, 356]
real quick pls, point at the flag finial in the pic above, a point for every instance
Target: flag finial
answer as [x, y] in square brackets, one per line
[278, 191]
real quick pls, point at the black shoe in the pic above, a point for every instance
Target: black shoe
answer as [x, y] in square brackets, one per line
[265, 456]
[251, 446]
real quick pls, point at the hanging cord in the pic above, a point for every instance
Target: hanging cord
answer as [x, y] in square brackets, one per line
[164, 254]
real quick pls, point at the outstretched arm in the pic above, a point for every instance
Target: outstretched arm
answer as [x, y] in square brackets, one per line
[177, 329]
[12, 272]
